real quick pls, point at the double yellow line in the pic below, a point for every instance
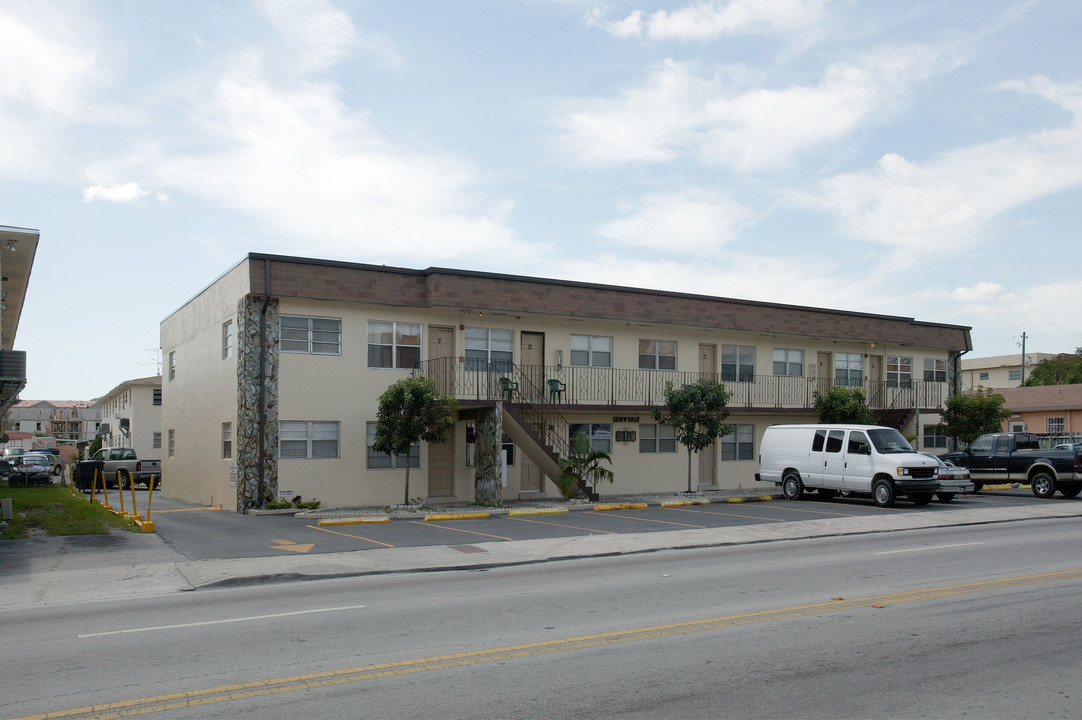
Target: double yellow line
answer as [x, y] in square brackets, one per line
[246, 691]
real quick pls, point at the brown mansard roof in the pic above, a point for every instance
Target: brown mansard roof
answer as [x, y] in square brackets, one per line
[334, 281]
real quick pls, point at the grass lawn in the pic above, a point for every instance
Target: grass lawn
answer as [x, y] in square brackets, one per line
[58, 512]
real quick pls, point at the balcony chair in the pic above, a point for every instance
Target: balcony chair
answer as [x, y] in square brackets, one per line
[508, 388]
[557, 388]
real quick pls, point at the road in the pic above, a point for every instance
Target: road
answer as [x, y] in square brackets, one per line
[974, 621]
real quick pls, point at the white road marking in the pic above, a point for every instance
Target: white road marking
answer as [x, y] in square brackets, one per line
[920, 549]
[220, 622]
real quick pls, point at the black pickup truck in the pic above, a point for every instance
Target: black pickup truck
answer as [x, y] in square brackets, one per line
[1018, 458]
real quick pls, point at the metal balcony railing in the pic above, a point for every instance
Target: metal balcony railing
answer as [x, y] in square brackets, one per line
[646, 388]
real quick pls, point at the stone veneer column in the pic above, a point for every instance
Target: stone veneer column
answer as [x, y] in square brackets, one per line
[487, 489]
[249, 313]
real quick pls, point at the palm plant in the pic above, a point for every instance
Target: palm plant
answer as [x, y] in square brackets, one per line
[583, 468]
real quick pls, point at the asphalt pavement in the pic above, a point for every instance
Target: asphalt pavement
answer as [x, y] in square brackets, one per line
[44, 570]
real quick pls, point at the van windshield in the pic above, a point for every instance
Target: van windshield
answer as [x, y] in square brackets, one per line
[889, 440]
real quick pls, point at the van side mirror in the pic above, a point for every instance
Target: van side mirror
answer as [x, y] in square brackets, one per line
[864, 449]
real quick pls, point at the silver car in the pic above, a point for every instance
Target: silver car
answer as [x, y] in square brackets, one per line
[953, 480]
[32, 468]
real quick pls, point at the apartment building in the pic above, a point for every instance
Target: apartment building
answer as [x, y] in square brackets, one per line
[131, 416]
[65, 422]
[272, 376]
[999, 371]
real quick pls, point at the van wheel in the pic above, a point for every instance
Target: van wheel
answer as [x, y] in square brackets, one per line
[883, 492]
[920, 499]
[1044, 486]
[945, 497]
[791, 486]
[1070, 490]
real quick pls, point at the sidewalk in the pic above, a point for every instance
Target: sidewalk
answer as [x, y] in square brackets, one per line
[46, 571]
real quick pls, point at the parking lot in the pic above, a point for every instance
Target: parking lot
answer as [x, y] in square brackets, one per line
[204, 533]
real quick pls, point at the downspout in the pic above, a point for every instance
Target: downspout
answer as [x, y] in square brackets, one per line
[262, 485]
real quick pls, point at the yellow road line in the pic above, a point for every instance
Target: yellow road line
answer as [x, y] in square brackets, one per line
[659, 522]
[257, 688]
[468, 532]
[564, 525]
[358, 537]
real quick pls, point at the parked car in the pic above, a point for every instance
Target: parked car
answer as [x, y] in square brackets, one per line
[953, 480]
[32, 468]
[54, 457]
[13, 451]
[1069, 446]
[119, 466]
[1018, 458]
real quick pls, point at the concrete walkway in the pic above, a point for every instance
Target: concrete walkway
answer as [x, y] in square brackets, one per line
[45, 571]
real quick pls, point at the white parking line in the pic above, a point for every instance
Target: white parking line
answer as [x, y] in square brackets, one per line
[920, 549]
[219, 622]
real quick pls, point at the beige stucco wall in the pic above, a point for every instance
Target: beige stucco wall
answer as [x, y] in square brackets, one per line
[202, 395]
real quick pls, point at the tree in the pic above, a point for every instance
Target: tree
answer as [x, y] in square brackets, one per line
[95, 445]
[971, 415]
[582, 467]
[412, 410]
[843, 406]
[697, 412]
[1063, 369]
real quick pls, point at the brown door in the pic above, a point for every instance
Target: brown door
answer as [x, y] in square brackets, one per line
[823, 372]
[708, 360]
[707, 465]
[876, 386]
[441, 353]
[530, 479]
[532, 361]
[441, 468]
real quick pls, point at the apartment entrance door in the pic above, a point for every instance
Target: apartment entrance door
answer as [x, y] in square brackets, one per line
[530, 475]
[441, 354]
[824, 374]
[441, 467]
[708, 458]
[708, 360]
[532, 361]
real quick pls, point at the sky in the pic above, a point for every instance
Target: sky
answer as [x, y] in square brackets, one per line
[919, 158]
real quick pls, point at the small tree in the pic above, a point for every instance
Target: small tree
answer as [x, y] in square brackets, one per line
[95, 445]
[1063, 369]
[967, 417]
[583, 467]
[697, 412]
[843, 405]
[412, 410]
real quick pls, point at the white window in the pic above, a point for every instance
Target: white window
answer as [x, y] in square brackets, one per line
[899, 371]
[394, 344]
[378, 460]
[657, 354]
[1014, 374]
[227, 440]
[848, 369]
[600, 435]
[788, 362]
[1057, 425]
[172, 443]
[739, 444]
[591, 351]
[172, 365]
[304, 440]
[935, 370]
[311, 335]
[737, 363]
[657, 439]
[485, 346]
[227, 339]
[984, 374]
[934, 437]
[156, 441]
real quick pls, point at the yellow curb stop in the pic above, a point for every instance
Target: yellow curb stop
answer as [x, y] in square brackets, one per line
[621, 506]
[457, 516]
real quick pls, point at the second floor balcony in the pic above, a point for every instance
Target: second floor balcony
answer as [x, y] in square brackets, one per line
[589, 387]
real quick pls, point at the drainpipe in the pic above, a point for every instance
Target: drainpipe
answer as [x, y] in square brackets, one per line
[262, 485]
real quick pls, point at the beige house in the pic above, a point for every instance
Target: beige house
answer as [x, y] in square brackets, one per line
[999, 371]
[273, 373]
[1053, 410]
[131, 416]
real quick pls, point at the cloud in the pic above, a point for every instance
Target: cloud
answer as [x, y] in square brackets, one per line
[690, 221]
[118, 193]
[981, 292]
[727, 118]
[942, 205]
[713, 19]
[319, 35]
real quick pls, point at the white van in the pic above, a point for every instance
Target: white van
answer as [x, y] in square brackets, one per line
[829, 459]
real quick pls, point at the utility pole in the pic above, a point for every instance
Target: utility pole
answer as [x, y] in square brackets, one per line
[1023, 358]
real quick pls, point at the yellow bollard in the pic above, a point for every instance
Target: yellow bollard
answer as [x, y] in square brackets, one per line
[134, 511]
[105, 491]
[120, 492]
[150, 495]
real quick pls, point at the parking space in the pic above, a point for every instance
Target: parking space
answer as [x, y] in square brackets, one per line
[199, 532]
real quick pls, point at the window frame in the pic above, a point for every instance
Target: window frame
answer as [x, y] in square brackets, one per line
[500, 364]
[653, 358]
[394, 462]
[227, 339]
[593, 354]
[846, 380]
[156, 440]
[935, 370]
[312, 333]
[596, 432]
[655, 438]
[399, 360]
[742, 445]
[172, 364]
[899, 371]
[934, 436]
[309, 439]
[1056, 425]
[172, 442]
[738, 369]
[787, 362]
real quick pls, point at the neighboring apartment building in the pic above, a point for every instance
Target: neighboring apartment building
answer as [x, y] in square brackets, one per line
[273, 374]
[999, 371]
[67, 422]
[131, 416]
[1053, 410]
